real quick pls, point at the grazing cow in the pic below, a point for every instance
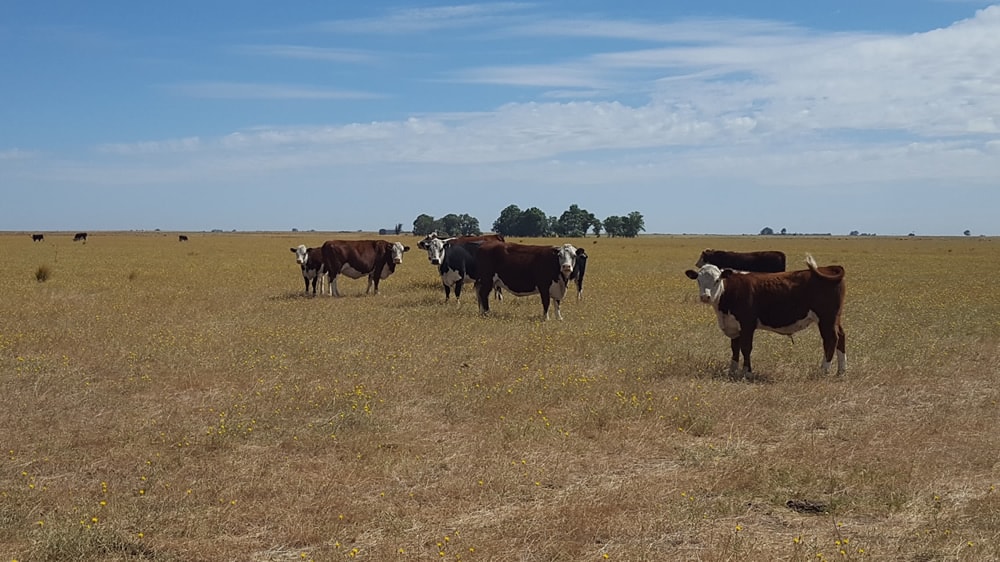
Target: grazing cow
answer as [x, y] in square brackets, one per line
[37, 237]
[313, 269]
[80, 236]
[763, 262]
[456, 260]
[779, 302]
[527, 270]
[182, 238]
[356, 258]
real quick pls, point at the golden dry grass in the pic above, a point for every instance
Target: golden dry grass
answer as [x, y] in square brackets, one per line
[175, 401]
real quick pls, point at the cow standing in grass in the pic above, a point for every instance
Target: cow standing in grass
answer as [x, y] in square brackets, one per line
[357, 258]
[784, 303]
[527, 270]
[313, 269]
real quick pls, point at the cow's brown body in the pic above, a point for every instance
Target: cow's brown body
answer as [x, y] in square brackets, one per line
[358, 258]
[523, 269]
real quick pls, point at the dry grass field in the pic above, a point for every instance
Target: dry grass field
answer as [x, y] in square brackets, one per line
[187, 402]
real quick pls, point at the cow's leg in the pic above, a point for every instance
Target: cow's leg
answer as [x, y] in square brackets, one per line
[458, 291]
[829, 334]
[546, 297]
[373, 280]
[841, 350]
[499, 293]
[558, 310]
[734, 363]
[334, 291]
[447, 292]
[483, 289]
[746, 346]
[313, 280]
[306, 279]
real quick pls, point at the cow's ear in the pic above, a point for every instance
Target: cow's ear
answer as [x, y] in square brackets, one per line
[406, 248]
[692, 274]
[292, 249]
[726, 274]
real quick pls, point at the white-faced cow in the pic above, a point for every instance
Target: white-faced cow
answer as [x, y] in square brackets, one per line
[356, 258]
[456, 261]
[764, 262]
[779, 302]
[313, 269]
[526, 270]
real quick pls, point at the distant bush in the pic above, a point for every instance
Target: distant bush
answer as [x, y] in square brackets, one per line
[43, 273]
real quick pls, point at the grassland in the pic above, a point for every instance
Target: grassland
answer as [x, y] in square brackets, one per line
[185, 401]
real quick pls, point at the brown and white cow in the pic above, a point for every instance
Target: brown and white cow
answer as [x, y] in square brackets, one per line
[434, 244]
[523, 270]
[768, 261]
[779, 302]
[356, 258]
[313, 269]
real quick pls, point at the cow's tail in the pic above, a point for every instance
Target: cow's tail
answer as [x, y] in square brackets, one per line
[834, 273]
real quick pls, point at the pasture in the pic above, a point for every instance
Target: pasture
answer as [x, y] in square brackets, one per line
[179, 402]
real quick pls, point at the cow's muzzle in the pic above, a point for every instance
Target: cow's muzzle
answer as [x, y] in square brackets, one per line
[435, 262]
[705, 298]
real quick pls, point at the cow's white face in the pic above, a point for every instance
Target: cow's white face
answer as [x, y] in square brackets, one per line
[567, 258]
[709, 279]
[397, 252]
[301, 254]
[435, 250]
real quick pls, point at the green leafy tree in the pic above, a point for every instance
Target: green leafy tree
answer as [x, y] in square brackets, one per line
[424, 225]
[613, 225]
[468, 225]
[596, 225]
[450, 225]
[507, 223]
[533, 223]
[574, 222]
[766, 231]
[633, 224]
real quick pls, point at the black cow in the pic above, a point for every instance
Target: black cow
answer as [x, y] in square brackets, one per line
[527, 270]
[313, 269]
[80, 236]
[37, 237]
[182, 238]
[768, 261]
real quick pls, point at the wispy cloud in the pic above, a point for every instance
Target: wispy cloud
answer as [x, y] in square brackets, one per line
[16, 154]
[420, 20]
[351, 56]
[261, 91]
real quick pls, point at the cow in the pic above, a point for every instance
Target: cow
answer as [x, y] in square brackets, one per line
[182, 238]
[313, 268]
[456, 261]
[37, 237]
[80, 236]
[526, 270]
[356, 258]
[762, 262]
[783, 302]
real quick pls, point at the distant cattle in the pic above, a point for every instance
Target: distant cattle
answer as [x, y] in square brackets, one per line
[356, 258]
[80, 236]
[37, 237]
[764, 261]
[456, 260]
[182, 238]
[779, 302]
[526, 270]
[313, 270]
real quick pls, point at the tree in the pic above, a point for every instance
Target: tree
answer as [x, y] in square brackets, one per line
[613, 225]
[596, 225]
[633, 225]
[574, 222]
[855, 233]
[423, 225]
[533, 223]
[784, 231]
[766, 231]
[507, 223]
[468, 225]
[967, 233]
[399, 228]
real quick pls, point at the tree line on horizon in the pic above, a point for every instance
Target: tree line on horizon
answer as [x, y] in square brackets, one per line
[534, 223]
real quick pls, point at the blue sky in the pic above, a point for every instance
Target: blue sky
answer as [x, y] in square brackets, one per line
[706, 117]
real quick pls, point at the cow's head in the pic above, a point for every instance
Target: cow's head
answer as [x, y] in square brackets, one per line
[301, 254]
[435, 249]
[703, 258]
[709, 278]
[397, 252]
[567, 259]
[426, 240]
